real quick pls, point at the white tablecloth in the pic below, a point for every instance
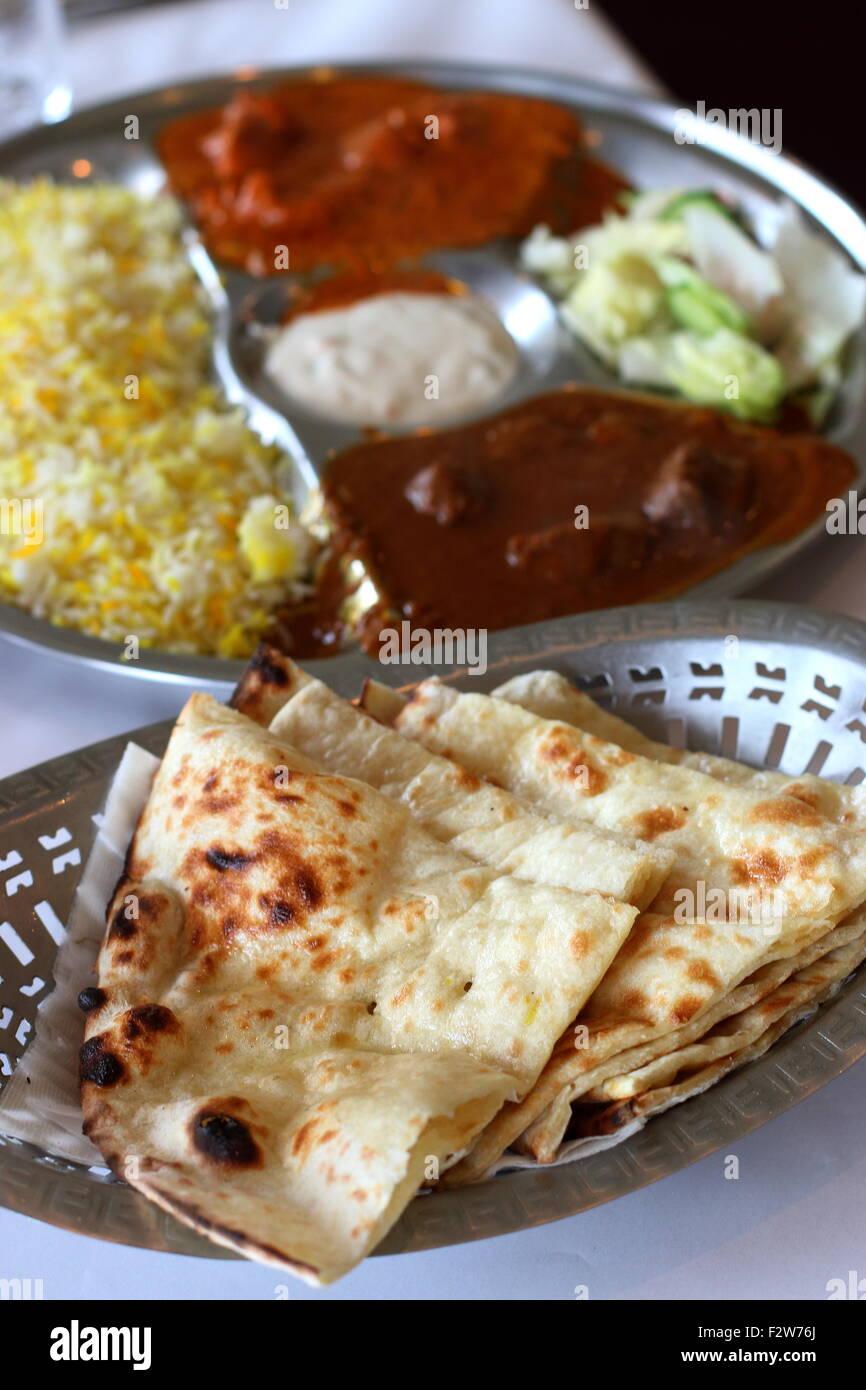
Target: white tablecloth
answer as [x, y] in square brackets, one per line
[795, 1218]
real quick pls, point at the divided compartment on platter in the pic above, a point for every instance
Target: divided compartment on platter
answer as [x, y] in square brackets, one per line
[774, 685]
[546, 356]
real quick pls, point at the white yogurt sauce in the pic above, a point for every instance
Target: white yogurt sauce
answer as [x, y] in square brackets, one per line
[394, 359]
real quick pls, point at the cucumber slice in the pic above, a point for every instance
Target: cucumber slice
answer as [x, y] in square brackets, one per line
[696, 198]
[703, 310]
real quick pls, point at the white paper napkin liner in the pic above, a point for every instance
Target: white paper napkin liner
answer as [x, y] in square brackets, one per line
[40, 1102]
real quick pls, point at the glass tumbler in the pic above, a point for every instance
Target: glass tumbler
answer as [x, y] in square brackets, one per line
[33, 86]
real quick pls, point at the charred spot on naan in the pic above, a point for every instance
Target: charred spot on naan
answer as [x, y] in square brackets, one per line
[809, 796]
[98, 1065]
[314, 1132]
[686, 1007]
[122, 926]
[467, 781]
[144, 1020]
[223, 899]
[139, 1032]
[270, 666]
[228, 859]
[788, 810]
[279, 912]
[142, 919]
[91, 999]
[569, 760]
[660, 821]
[766, 866]
[128, 1046]
[265, 685]
[215, 799]
[590, 1120]
[222, 1137]
[138, 906]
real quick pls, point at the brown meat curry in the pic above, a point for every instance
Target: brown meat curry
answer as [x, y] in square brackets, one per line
[575, 500]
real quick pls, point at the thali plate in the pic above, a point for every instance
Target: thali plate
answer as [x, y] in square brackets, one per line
[740, 678]
[634, 133]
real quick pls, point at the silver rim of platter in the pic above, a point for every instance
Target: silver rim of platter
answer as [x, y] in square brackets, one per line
[767, 682]
[636, 134]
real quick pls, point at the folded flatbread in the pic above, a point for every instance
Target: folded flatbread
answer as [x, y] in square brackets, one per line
[615, 1079]
[551, 696]
[669, 975]
[733, 1033]
[731, 1044]
[812, 868]
[306, 1004]
[608, 1041]
[482, 821]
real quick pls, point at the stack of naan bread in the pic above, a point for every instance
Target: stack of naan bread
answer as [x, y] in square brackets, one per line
[363, 948]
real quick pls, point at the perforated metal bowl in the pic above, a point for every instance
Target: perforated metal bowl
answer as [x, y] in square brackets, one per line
[774, 685]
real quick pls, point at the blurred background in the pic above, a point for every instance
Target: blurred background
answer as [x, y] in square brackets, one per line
[805, 59]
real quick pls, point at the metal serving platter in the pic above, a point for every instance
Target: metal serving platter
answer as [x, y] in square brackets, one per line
[634, 133]
[770, 683]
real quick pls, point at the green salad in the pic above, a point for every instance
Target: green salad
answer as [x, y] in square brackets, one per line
[677, 294]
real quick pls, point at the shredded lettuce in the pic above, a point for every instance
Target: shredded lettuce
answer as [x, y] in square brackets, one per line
[551, 257]
[696, 304]
[726, 370]
[733, 263]
[825, 302]
[613, 301]
[675, 294]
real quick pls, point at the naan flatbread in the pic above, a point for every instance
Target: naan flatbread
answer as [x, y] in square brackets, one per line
[481, 821]
[306, 1004]
[730, 1045]
[552, 696]
[668, 973]
[616, 1034]
[724, 837]
[543, 1137]
[731, 1035]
